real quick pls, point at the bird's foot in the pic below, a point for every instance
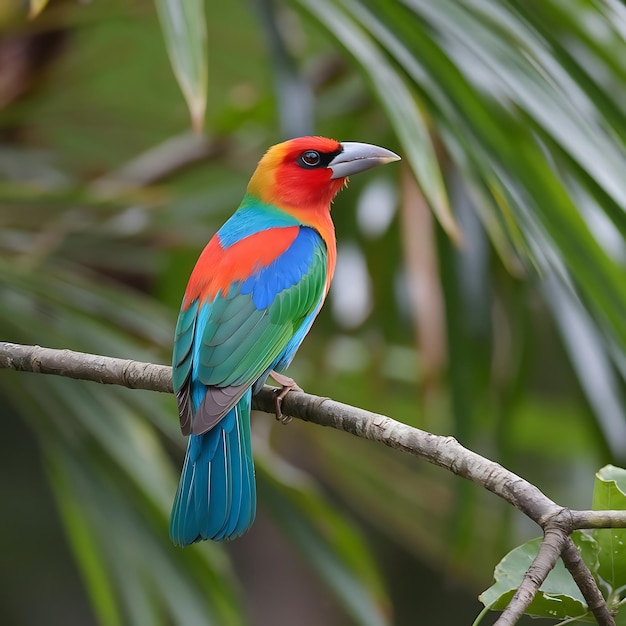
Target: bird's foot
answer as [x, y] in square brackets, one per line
[287, 384]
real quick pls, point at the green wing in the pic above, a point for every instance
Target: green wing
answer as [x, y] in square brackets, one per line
[224, 347]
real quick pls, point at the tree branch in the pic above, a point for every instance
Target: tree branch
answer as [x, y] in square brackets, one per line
[446, 452]
[586, 583]
[553, 542]
[99, 369]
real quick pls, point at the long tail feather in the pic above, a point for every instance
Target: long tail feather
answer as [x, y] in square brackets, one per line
[216, 497]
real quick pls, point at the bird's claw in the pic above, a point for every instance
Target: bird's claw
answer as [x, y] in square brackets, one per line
[287, 384]
[280, 394]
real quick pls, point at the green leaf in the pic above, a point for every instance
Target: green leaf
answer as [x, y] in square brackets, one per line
[488, 138]
[133, 573]
[331, 545]
[558, 596]
[620, 618]
[184, 28]
[405, 113]
[154, 580]
[610, 494]
[86, 548]
[591, 361]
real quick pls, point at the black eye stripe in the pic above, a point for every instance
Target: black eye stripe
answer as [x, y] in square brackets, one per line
[306, 160]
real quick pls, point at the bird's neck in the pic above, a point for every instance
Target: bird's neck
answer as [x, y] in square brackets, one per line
[315, 216]
[321, 221]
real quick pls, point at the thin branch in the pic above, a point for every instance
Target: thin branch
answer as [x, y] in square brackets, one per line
[99, 369]
[586, 583]
[553, 542]
[446, 452]
[598, 519]
[443, 451]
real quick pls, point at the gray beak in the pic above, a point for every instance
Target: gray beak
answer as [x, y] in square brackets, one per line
[358, 157]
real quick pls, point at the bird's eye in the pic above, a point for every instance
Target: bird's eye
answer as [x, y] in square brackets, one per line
[310, 158]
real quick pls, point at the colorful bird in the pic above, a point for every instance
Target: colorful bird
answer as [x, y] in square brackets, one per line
[251, 299]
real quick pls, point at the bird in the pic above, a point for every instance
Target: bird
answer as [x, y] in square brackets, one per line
[250, 301]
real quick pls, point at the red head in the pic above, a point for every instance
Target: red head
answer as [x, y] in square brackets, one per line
[284, 178]
[307, 172]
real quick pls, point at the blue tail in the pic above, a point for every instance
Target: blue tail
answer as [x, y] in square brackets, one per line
[216, 497]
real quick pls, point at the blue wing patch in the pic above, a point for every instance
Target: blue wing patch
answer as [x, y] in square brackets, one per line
[286, 271]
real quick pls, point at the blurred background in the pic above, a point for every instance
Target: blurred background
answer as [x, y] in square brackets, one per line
[480, 293]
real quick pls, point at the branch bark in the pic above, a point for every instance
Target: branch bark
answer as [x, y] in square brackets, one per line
[556, 521]
[586, 583]
[549, 551]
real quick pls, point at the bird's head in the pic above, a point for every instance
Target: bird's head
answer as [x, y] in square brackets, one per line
[307, 172]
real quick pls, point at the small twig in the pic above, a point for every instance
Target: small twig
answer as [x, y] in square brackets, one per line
[598, 519]
[586, 583]
[553, 541]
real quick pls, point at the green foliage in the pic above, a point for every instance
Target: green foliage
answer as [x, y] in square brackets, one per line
[558, 597]
[602, 550]
[398, 101]
[610, 493]
[184, 28]
[330, 544]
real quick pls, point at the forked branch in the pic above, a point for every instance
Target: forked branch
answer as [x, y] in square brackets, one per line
[556, 521]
